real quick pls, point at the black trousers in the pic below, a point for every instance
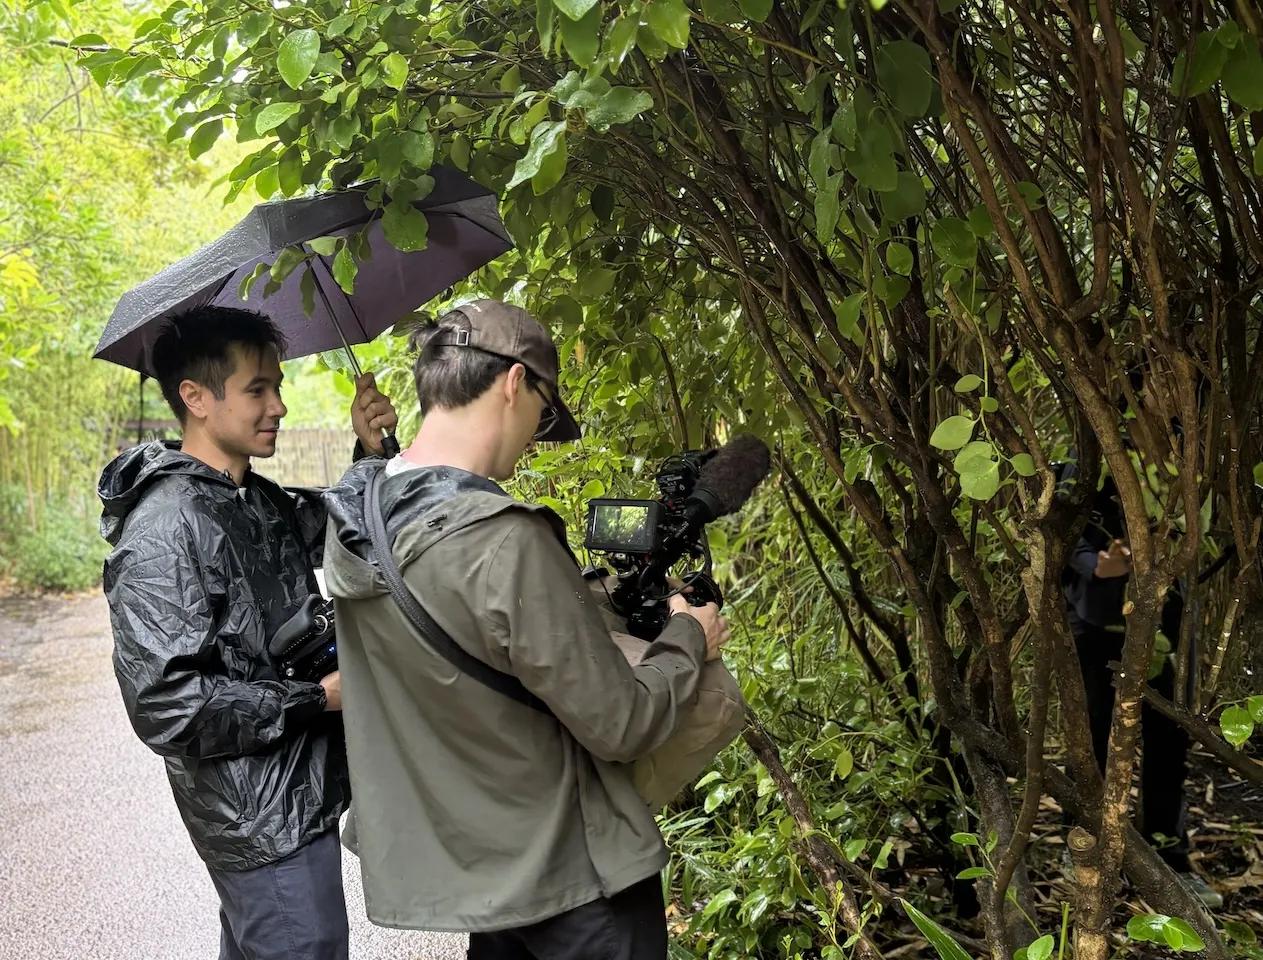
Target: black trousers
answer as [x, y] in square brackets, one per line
[291, 910]
[1165, 745]
[631, 925]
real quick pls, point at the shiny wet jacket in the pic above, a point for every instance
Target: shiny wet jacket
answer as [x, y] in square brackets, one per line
[201, 574]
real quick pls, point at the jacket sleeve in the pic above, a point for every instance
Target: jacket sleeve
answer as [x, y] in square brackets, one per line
[1083, 559]
[169, 668]
[560, 648]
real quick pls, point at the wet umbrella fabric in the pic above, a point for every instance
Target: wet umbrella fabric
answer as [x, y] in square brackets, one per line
[465, 232]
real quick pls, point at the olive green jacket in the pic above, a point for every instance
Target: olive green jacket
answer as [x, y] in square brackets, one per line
[474, 812]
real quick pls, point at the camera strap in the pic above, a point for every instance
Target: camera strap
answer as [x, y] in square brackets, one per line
[438, 638]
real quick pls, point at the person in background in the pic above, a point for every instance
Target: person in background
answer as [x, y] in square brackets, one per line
[1095, 581]
[208, 559]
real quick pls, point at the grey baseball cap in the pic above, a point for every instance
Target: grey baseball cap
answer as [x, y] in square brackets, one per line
[494, 326]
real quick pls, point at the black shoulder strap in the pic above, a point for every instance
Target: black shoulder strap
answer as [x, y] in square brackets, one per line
[435, 635]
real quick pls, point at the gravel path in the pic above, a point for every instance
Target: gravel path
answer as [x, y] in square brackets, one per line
[94, 861]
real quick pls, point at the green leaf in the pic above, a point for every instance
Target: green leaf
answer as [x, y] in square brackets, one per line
[551, 168]
[290, 171]
[1023, 465]
[818, 159]
[405, 226]
[980, 222]
[253, 28]
[981, 483]
[906, 200]
[874, 164]
[989, 404]
[669, 19]
[297, 56]
[544, 18]
[574, 9]
[719, 901]
[854, 848]
[1240, 932]
[756, 10]
[325, 246]
[620, 105]
[954, 242]
[307, 286]
[1243, 75]
[899, 258]
[903, 71]
[1041, 949]
[340, 24]
[418, 148]
[953, 433]
[1236, 725]
[543, 141]
[1190, 942]
[974, 456]
[940, 939]
[204, 137]
[395, 70]
[848, 313]
[621, 39]
[267, 183]
[581, 38]
[827, 208]
[1209, 56]
[1147, 927]
[593, 489]
[603, 202]
[1255, 706]
[248, 281]
[274, 114]
[968, 383]
[1258, 473]
[843, 764]
[973, 873]
[344, 270]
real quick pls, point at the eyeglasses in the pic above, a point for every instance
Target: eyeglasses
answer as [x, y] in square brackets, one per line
[547, 416]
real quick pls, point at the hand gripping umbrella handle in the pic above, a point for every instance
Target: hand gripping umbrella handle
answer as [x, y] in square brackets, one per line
[390, 446]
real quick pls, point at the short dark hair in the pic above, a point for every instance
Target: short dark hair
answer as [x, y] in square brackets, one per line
[197, 345]
[450, 376]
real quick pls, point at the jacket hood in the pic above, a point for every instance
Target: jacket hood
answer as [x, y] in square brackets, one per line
[350, 567]
[126, 478]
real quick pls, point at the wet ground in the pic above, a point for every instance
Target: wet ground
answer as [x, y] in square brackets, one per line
[94, 861]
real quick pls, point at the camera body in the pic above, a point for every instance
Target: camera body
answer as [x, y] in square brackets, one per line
[644, 539]
[304, 647]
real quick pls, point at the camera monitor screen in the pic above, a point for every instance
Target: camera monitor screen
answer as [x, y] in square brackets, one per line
[623, 526]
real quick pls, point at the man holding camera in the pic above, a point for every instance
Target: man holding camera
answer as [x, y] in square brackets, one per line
[490, 744]
[208, 560]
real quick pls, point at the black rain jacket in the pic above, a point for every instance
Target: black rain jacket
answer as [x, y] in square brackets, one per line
[201, 575]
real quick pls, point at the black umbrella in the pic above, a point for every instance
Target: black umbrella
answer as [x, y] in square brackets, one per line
[465, 232]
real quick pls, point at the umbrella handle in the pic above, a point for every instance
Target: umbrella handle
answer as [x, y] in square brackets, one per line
[390, 446]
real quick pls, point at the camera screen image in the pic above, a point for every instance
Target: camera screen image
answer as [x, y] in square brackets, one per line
[623, 526]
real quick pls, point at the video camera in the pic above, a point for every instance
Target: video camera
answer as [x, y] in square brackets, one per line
[645, 539]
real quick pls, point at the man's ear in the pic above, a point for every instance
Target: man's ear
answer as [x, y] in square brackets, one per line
[195, 397]
[512, 381]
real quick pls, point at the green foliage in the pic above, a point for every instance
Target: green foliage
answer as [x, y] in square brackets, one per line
[1168, 931]
[61, 551]
[922, 287]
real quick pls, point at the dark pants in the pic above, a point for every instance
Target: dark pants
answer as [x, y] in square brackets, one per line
[631, 925]
[1165, 745]
[290, 910]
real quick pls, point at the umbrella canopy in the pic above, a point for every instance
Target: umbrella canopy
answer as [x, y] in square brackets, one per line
[465, 232]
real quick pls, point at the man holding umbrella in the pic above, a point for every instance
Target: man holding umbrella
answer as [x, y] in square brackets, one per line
[208, 560]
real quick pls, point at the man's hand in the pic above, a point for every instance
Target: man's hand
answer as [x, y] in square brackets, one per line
[1114, 562]
[716, 626]
[371, 413]
[333, 691]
